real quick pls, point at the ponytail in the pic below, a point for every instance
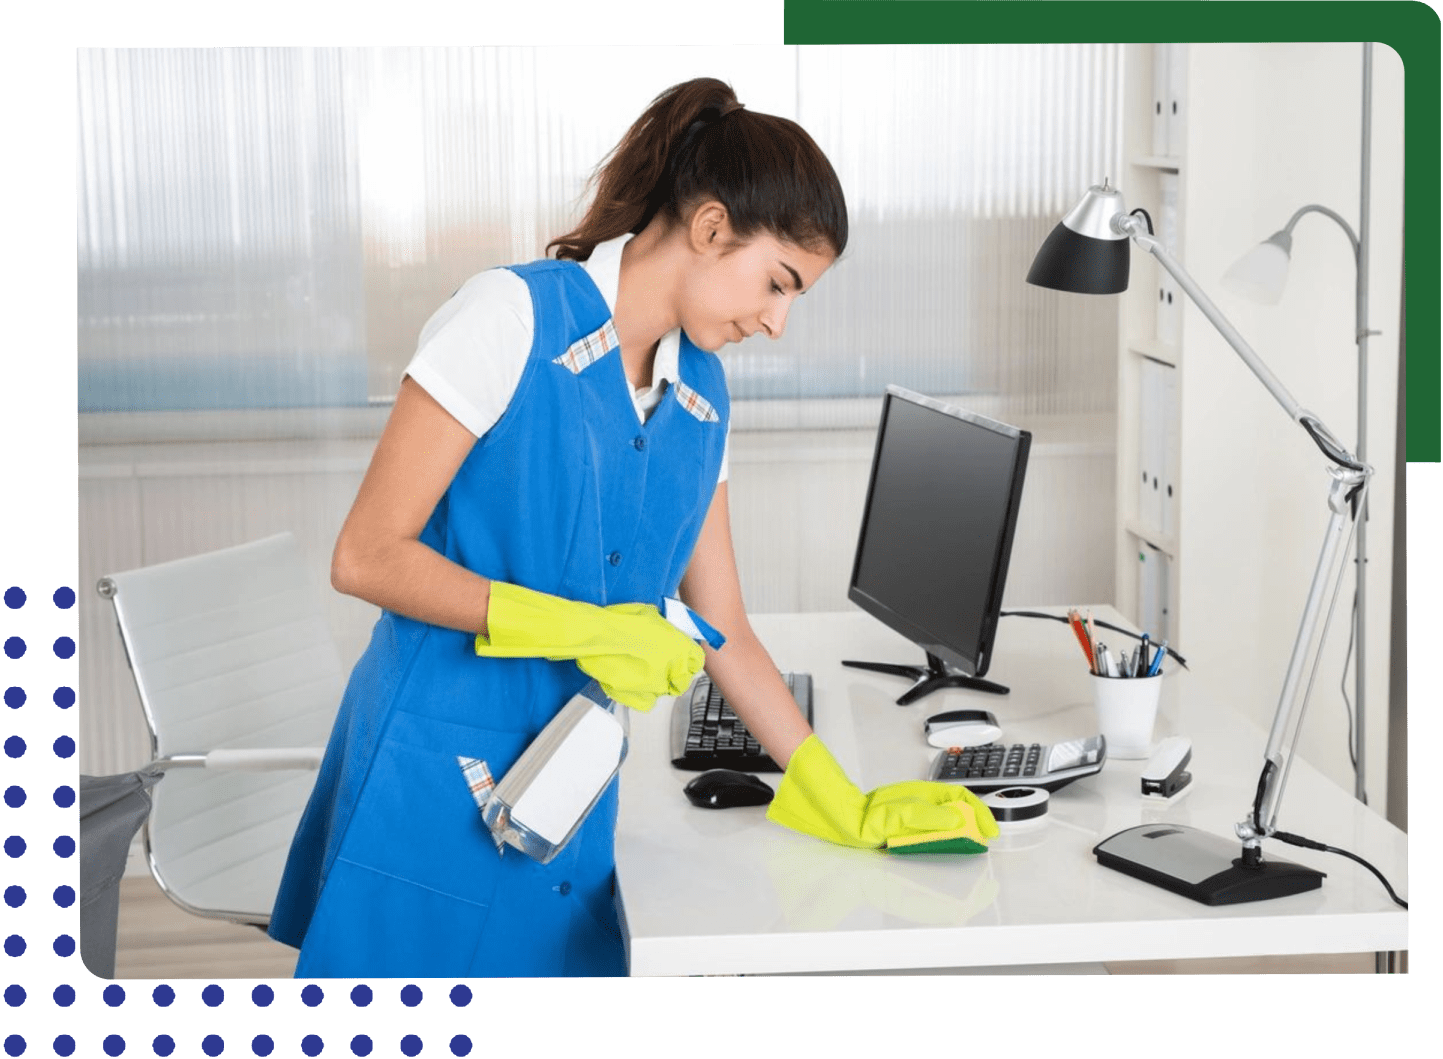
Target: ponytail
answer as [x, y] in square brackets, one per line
[696, 143]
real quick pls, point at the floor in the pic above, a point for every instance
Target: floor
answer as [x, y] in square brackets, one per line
[156, 939]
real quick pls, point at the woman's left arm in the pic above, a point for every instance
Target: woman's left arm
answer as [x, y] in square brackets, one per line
[742, 669]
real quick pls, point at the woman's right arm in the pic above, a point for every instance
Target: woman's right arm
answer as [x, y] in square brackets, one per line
[379, 556]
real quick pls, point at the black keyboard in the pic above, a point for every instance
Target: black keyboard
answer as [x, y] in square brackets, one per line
[706, 734]
[994, 766]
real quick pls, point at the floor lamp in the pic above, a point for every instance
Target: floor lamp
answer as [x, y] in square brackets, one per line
[1260, 275]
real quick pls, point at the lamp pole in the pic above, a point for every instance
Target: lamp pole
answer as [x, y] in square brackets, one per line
[1361, 554]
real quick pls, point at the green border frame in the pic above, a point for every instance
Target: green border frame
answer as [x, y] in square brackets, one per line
[39, 547]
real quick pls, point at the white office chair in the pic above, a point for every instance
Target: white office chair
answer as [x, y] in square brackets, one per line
[240, 682]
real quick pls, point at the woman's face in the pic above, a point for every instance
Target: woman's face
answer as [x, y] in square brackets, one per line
[734, 293]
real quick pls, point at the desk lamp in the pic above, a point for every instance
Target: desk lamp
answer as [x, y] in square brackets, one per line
[1088, 253]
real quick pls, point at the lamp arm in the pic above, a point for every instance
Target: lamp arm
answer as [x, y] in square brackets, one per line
[1314, 208]
[1343, 501]
[1332, 448]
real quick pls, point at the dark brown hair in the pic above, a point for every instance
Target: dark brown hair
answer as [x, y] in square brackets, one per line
[696, 143]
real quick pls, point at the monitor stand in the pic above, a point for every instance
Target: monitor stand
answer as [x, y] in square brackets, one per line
[933, 677]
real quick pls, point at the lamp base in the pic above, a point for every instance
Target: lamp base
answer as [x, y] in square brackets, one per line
[1201, 865]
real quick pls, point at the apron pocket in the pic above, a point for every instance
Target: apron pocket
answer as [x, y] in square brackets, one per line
[369, 924]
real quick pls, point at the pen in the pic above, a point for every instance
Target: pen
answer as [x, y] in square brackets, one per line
[1142, 662]
[1157, 661]
[1104, 661]
[1075, 620]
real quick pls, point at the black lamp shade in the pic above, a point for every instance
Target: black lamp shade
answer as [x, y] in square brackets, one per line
[1081, 264]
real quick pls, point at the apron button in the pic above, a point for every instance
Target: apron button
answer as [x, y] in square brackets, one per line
[564, 889]
[638, 443]
[614, 558]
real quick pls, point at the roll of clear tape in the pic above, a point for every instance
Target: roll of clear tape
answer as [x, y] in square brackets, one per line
[1015, 808]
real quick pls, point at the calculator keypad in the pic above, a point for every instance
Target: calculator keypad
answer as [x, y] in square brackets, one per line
[1018, 761]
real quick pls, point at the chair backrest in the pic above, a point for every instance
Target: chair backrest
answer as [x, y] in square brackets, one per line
[229, 650]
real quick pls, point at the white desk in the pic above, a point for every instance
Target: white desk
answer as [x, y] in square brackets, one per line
[728, 892]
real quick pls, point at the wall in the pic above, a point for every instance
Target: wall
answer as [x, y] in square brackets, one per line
[1274, 127]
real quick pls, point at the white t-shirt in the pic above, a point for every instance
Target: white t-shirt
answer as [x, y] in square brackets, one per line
[474, 348]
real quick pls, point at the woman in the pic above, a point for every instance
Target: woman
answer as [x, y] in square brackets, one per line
[554, 466]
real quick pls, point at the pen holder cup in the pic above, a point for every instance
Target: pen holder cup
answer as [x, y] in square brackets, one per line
[1126, 713]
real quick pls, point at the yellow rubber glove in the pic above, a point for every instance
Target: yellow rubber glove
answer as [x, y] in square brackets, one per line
[629, 648]
[816, 798]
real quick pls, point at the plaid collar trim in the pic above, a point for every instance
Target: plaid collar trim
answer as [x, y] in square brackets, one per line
[588, 349]
[695, 403]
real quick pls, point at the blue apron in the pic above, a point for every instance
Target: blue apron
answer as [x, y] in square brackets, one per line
[392, 872]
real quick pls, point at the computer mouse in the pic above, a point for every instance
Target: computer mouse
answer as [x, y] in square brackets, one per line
[962, 728]
[727, 789]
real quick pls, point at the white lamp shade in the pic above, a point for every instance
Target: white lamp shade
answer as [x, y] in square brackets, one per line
[1259, 275]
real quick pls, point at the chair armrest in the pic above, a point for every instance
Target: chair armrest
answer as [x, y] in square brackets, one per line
[261, 759]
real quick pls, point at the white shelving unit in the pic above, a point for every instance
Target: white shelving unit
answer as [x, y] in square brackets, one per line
[1147, 344]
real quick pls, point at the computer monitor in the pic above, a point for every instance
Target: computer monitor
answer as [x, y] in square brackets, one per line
[936, 536]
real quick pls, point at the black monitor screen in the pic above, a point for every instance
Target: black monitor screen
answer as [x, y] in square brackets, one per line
[937, 528]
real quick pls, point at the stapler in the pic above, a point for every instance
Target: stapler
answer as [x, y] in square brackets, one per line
[1165, 772]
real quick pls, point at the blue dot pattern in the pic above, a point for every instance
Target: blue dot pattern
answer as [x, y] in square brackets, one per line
[39, 881]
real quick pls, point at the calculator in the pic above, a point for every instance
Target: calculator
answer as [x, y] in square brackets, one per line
[995, 765]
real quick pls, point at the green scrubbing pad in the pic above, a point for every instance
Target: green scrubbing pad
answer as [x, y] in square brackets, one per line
[966, 838]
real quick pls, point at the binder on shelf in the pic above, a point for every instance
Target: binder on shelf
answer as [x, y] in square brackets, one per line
[1176, 109]
[1151, 443]
[1153, 612]
[1161, 103]
[1169, 310]
[1168, 187]
[1170, 413]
